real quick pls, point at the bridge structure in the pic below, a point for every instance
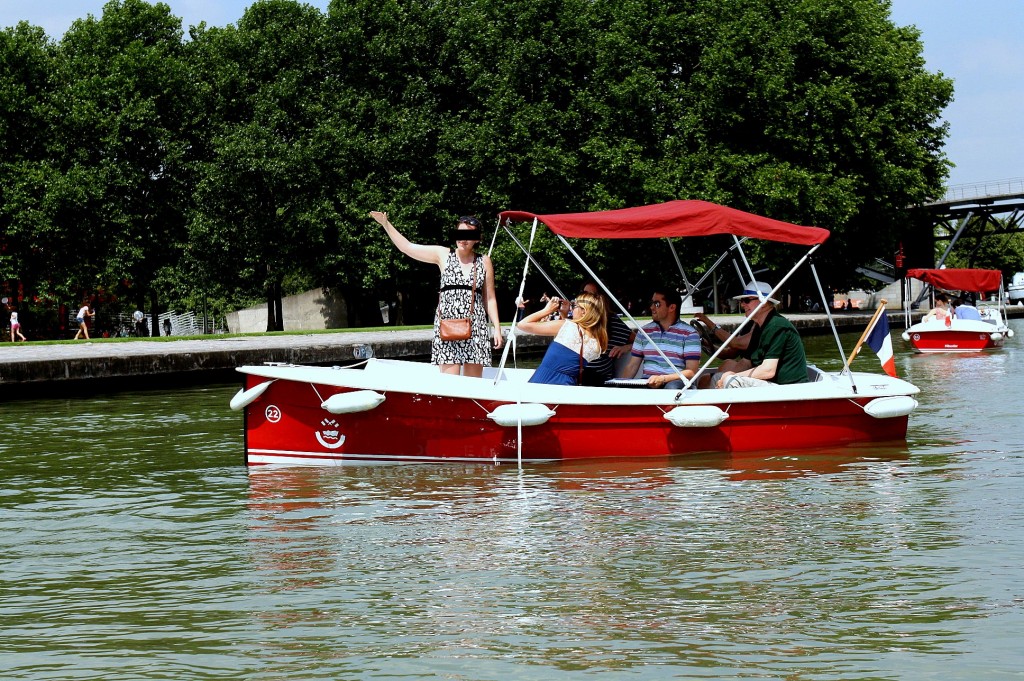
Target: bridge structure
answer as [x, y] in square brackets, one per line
[975, 211]
[967, 212]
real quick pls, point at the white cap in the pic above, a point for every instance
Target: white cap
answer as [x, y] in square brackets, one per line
[757, 289]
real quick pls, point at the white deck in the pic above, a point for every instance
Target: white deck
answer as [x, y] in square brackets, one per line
[422, 378]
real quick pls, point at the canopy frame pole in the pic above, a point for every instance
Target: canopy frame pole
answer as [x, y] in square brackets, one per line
[746, 263]
[679, 264]
[714, 266]
[832, 323]
[686, 382]
[512, 332]
[533, 260]
[762, 301]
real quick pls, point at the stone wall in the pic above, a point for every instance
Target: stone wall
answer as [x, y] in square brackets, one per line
[312, 310]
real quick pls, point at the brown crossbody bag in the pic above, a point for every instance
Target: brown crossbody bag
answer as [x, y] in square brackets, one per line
[458, 329]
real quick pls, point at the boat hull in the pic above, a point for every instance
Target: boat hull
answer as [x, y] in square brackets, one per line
[287, 423]
[961, 336]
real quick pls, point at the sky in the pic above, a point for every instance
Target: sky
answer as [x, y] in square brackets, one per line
[979, 44]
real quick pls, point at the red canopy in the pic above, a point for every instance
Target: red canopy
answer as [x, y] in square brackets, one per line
[960, 280]
[674, 218]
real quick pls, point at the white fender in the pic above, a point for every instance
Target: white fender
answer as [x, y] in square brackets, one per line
[905, 336]
[528, 414]
[243, 398]
[1009, 333]
[996, 337]
[890, 407]
[697, 416]
[350, 403]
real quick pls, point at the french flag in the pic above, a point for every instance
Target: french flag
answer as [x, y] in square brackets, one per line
[880, 341]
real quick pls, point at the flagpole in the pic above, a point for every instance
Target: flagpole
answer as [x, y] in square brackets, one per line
[867, 332]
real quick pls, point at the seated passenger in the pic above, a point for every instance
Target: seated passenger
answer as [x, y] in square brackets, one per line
[774, 353]
[941, 311]
[577, 341]
[620, 342]
[678, 341]
[964, 310]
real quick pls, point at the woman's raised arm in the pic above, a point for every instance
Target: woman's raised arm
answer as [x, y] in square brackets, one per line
[431, 254]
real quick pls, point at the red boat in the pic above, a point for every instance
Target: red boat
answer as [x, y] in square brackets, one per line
[958, 334]
[400, 411]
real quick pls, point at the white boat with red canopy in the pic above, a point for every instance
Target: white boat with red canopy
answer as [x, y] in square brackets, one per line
[957, 333]
[400, 411]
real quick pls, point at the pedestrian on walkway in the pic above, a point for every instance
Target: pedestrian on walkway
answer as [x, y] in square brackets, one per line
[83, 314]
[15, 327]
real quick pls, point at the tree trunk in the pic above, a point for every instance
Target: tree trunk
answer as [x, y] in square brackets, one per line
[275, 312]
[279, 306]
[154, 313]
[271, 309]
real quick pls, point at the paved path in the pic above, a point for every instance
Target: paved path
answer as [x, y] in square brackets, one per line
[29, 364]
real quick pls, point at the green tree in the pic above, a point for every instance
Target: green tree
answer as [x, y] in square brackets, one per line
[26, 65]
[265, 196]
[124, 107]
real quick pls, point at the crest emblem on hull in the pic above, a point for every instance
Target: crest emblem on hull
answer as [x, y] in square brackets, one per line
[328, 435]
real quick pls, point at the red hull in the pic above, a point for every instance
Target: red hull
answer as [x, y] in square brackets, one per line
[952, 341]
[287, 425]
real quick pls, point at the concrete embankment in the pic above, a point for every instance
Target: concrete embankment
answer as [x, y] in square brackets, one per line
[149, 363]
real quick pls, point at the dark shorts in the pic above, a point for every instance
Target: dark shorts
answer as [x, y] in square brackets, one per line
[80, 320]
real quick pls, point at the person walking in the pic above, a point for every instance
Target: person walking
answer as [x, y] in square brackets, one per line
[83, 315]
[463, 271]
[15, 328]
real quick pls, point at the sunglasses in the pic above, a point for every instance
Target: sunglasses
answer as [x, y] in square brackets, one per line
[748, 300]
[469, 220]
[656, 303]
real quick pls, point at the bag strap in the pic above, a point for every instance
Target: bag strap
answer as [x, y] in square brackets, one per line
[579, 379]
[472, 289]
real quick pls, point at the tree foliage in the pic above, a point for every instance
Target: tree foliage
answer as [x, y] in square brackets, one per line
[240, 163]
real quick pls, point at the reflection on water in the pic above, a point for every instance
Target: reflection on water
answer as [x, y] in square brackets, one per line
[136, 546]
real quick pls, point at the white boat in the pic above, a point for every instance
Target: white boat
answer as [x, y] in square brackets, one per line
[1015, 291]
[957, 334]
[400, 411]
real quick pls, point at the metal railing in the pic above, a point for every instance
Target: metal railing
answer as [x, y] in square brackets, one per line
[960, 192]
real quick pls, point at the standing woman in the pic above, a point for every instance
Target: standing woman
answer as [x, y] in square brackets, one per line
[83, 314]
[577, 341]
[467, 290]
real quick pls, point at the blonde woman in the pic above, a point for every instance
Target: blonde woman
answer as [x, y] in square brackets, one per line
[577, 341]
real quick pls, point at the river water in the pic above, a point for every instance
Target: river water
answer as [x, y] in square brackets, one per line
[135, 545]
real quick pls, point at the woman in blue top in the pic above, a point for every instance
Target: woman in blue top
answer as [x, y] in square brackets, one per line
[577, 341]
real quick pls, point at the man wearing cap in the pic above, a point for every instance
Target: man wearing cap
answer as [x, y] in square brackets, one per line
[772, 353]
[678, 341]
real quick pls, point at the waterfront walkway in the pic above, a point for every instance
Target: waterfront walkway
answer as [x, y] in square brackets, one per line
[151, 363]
[142, 363]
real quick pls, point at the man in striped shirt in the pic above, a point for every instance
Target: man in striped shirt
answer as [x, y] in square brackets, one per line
[679, 342]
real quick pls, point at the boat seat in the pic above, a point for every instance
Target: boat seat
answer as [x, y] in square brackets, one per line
[814, 374]
[620, 363]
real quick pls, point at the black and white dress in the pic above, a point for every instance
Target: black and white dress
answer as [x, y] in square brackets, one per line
[456, 287]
